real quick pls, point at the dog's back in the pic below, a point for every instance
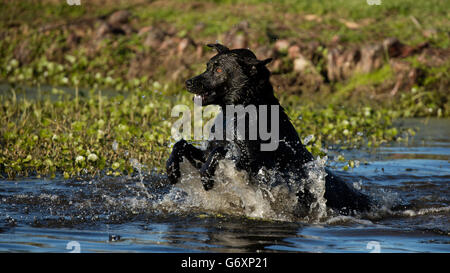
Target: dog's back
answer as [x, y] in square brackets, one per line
[289, 159]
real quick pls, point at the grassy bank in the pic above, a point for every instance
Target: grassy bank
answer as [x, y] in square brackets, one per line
[94, 45]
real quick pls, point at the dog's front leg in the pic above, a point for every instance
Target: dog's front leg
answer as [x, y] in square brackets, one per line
[183, 149]
[209, 167]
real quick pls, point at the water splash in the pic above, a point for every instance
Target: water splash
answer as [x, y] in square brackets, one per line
[269, 195]
[232, 194]
[139, 167]
[314, 183]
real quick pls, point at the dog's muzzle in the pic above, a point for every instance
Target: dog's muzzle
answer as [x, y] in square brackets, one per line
[200, 96]
[189, 84]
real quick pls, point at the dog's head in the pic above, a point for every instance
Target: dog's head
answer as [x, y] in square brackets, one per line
[230, 77]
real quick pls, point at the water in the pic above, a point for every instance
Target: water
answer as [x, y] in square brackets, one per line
[144, 214]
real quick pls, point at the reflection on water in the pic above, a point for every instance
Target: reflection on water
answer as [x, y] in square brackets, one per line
[120, 215]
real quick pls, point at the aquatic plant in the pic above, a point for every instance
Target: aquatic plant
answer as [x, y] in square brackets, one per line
[97, 134]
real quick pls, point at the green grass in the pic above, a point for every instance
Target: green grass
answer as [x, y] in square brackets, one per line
[37, 12]
[111, 62]
[361, 80]
[391, 18]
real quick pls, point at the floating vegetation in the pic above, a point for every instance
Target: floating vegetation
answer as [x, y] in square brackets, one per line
[110, 135]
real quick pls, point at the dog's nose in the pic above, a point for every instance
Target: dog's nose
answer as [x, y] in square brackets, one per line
[189, 83]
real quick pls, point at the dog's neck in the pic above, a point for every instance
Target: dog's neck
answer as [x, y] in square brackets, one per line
[253, 93]
[257, 97]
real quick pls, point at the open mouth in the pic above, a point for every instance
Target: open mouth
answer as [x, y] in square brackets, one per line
[203, 98]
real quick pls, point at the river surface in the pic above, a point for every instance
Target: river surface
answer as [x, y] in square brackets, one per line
[144, 214]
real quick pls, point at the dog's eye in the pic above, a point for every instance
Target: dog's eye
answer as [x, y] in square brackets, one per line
[219, 70]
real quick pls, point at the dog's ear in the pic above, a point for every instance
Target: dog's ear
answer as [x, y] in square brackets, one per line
[220, 48]
[256, 62]
[266, 61]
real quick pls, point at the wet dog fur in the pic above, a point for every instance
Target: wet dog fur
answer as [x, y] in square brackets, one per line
[237, 77]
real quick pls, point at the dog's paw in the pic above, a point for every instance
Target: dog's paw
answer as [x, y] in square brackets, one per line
[206, 177]
[173, 171]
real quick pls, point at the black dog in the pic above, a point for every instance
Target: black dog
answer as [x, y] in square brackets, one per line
[237, 77]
